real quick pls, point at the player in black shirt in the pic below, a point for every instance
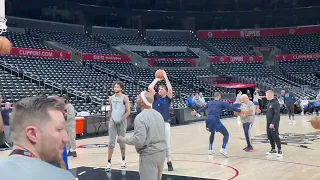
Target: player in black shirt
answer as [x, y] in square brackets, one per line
[273, 120]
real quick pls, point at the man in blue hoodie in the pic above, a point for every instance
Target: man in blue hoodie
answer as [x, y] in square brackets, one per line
[213, 123]
[289, 100]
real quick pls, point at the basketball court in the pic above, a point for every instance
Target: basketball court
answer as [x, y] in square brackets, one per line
[301, 158]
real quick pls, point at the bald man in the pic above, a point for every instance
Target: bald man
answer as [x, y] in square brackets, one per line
[148, 138]
[247, 117]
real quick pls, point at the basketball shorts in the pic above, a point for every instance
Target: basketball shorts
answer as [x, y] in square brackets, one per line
[115, 129]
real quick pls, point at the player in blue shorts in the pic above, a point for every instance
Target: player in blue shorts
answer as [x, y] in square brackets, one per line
[213, 123]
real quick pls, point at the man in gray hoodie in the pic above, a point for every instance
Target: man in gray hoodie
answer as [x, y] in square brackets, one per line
[148, 138]
[248, 110]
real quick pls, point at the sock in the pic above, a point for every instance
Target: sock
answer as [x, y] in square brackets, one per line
[123, 158]
[109, 160]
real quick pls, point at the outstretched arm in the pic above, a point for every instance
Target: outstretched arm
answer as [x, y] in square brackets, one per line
[151, 86]
[230, 107]
[170, 94]
[202, 109]
[139, 136]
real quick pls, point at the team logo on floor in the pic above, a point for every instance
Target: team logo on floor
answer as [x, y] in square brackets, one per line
[291, 139]
[88, 146]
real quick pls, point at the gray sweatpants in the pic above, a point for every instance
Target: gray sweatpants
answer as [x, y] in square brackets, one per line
[7, 134]
[115, 129]
[71, 145]
[151, 166]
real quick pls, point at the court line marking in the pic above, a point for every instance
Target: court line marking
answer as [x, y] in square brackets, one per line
[242, 157]
[236, 171]
[235, 156]
[81, 173]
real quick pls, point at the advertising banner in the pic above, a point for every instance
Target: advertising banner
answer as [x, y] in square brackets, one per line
[260, 32]
[290, 57]
[105, 57]
[229, 59]
[40, 53]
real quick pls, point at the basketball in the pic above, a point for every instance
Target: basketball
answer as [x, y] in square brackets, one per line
[5, 46]
[237, 113]
[159, 74]
[315, 122]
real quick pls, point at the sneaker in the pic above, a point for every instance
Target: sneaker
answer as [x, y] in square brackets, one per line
[108, 168]
[170, 167]
[210, 152]
[279, 154]
[245, 148]
[72, 153]
[224, 152]
[272, 152]
[123, 164]
[7, 144]
[249, 149]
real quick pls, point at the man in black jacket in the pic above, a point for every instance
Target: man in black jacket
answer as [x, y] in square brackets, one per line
[273, 120]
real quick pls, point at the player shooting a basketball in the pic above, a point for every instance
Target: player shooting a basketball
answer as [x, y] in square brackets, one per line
[213, 123]
[162, 102]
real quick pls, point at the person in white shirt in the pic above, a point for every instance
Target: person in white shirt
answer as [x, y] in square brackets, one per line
[202, 100]
[237, 103]
[304, 105]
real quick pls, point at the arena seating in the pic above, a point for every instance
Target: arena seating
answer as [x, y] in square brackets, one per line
[69, 75]
[23, 40]
[255, 71]
[231, 46]
[122, 40]
[177, 41]
[79, 42]
[297, 44]
[14, 88]
[176, 63]
[303, 69]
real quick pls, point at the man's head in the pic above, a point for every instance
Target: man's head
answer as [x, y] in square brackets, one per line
[117, 86]
[286, 90]
[37, 124]
[217, 96]
[318, 98]
[163, 90]
[282, 92]
[239, 92]
[244, 98]
[200, 94]
[257, 89]
[7, 105]
[269, 95]
[144, 100]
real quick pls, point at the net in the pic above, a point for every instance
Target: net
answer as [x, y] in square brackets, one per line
[3, 25]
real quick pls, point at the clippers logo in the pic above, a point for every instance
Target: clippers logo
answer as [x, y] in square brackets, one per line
[292, 31]
[250, 33]
[236, 59]
[221, 59]
[251, 58]
[210, 34]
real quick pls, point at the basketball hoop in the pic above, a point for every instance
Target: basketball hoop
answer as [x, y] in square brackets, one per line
[3, 25]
